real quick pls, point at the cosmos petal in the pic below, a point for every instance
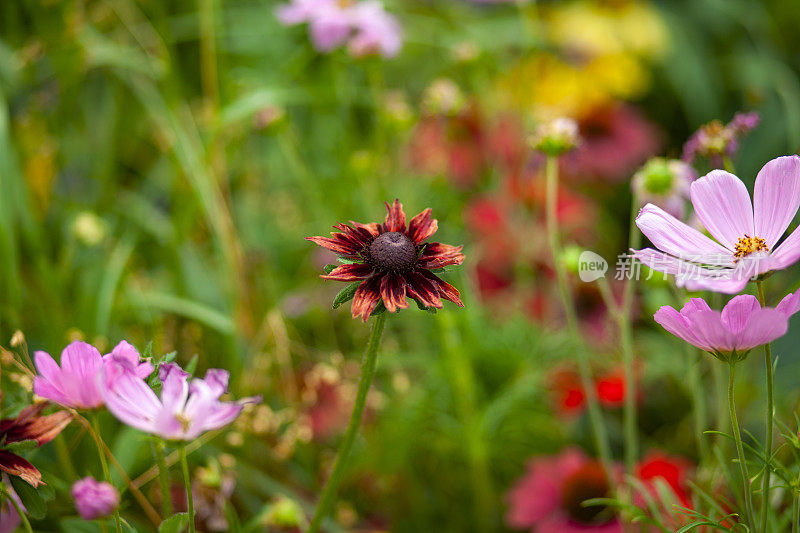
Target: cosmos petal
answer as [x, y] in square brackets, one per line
[678, 239]
[736, 312]
[763, 326]
[722, 203]
[790, 304]
[776, 197]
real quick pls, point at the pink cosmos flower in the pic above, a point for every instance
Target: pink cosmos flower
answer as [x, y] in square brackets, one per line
[94, 499]
[74, 384]
[729, 335]
[548, 498]
[184, 411]
[746, 233]
[366, 26]
[376, 31]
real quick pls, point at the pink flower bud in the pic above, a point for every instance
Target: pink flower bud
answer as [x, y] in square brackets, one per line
[94, 499]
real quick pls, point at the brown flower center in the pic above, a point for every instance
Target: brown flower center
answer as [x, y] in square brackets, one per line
[393, 251]
[747, 245]
[587, 483]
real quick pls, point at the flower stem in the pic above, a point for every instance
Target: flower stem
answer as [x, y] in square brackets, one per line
[795, 523]
[103, 462]
[163, 477]
[737, 437]
[23, 517]
[584, 369]
[328, 497]
[187, 482]
[769, 422]
[626, 337]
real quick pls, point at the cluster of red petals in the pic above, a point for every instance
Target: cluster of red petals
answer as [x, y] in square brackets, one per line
[352, 242]
[571, 398]
[674, 471]
[29, 425]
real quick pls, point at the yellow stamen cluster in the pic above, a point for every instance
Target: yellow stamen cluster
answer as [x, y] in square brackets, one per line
[747, 245]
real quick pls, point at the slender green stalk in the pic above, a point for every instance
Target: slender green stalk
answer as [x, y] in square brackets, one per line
[163, 477]
[626, 336]
[737, 437]
[187, 482]
[694, 360]
[765, 488]
[23, 517]
[103, 462]
[795, 523]
[584, 368]
[328, 497]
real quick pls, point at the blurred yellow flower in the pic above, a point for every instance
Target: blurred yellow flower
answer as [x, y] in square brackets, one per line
[548, 87]
[594, 28]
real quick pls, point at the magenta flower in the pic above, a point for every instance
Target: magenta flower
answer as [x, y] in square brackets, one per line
[184, 411]
[746, 233]
[729, 335]
[126, 355]
[94, 499]
[74, 384]
[365, 26]
[376, 31]
[549, 497]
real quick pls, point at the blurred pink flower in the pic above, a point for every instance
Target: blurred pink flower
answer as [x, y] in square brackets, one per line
[366, 25]
[126, 355]
[715, 139]
[185, 409]
[548, 498]
[74, 384]
[94, 499]
[376, 31]
[741, 326]
[615, 140]
[9, 517]
[745, 232]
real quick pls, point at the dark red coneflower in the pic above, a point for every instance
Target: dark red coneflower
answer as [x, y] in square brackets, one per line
[389, 261]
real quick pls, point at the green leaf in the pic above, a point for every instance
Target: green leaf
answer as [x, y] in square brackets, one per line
[380, 308]
[431, 310]
[148, 350]
[170, 357]
[174, 524]
[348, 261]
[31, 499]
[346, 294]
[191, 366]
[328, 268]
[21, 446]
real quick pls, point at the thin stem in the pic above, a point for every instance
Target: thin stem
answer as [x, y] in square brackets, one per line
[163, 477]
[765, 488]
[795, 523]
[740, 450]
[584, 369]
[626, 337]
[328, 497]
[23, 517]
[187, 482]
[103, 462]
[694, 361]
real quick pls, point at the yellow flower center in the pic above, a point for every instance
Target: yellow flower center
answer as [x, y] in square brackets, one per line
[747, 245]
